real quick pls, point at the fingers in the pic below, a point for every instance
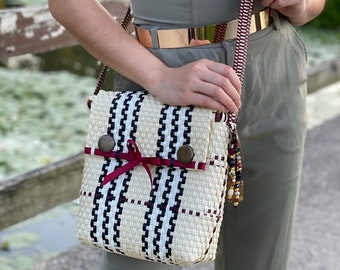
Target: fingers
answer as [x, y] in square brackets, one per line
[222, 100]
[221, 83]
[202, 83]
[196, 42]
[204, 101]
[227, 75]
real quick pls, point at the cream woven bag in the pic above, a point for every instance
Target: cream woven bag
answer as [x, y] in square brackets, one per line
[156, 176]
[176, 219]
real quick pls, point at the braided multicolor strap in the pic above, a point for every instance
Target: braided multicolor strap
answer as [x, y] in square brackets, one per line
[235, 183]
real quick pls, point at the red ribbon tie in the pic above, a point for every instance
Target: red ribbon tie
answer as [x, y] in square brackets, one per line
[134, 158]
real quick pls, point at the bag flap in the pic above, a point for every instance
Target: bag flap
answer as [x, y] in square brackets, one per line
[158, 130]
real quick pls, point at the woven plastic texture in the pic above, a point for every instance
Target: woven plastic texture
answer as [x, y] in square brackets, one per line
[177, 218]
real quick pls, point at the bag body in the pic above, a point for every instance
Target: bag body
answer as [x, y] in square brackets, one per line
[155, 179]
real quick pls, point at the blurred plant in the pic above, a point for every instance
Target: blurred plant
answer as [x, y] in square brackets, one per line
[10, 3]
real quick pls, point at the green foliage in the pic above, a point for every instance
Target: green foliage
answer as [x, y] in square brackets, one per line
[43, 118]
[330, 17]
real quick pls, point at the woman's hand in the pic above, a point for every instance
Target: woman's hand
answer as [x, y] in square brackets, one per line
[297, 11]
[203, 83]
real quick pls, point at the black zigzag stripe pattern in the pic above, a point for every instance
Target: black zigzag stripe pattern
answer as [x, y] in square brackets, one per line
[165, 197]
[98, 194]
[113, 186]
[156, 186]
[176, 206]
[122, 127]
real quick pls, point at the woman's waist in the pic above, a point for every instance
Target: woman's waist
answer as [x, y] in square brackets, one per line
[182, 37]
[165, 14]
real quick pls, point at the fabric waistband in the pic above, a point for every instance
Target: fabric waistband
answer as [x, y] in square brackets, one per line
[177, 38]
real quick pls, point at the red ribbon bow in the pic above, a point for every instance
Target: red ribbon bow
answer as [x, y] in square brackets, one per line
[135, 158]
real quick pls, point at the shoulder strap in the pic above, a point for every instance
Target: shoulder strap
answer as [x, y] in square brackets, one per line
[242, 38]
[235, 182]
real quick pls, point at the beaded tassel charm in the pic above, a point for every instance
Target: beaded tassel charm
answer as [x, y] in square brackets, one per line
[235, 183]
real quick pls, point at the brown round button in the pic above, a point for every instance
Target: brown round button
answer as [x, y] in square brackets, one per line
[185, 154]
[106, 143]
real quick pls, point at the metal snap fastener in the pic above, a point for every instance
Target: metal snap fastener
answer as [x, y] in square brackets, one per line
[106, 143]
[185, 154]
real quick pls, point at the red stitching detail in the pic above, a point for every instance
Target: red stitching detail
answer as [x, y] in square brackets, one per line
[209, 212]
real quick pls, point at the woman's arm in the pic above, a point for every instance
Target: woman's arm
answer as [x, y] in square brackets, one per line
[203, 83]
[298, 12]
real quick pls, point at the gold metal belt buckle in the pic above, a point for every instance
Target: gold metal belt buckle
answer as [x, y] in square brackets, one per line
[177, 38]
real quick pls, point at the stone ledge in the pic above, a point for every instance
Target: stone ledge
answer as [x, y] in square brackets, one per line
[323, 74]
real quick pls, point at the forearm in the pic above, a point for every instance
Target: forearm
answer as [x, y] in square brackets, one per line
[313, 9]
[106, 40]
[298, 12]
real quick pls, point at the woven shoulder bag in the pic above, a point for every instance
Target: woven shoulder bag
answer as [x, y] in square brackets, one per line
[156, 176]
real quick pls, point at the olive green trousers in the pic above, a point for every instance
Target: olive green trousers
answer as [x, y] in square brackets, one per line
[272, 127]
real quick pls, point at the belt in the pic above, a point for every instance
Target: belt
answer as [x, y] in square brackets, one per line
[177, 38]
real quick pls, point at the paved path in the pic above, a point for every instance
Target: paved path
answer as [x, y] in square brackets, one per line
[316, 241]
[316, 244]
